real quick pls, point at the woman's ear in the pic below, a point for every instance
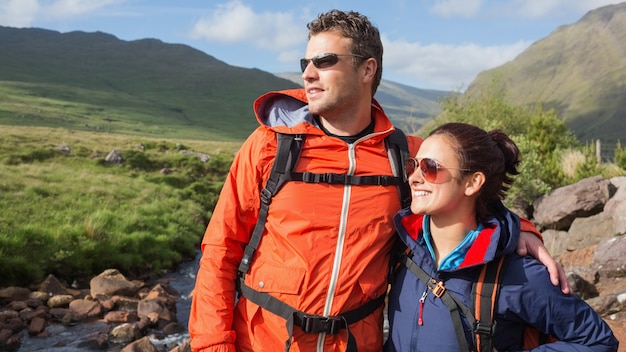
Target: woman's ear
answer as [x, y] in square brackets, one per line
[474, 183]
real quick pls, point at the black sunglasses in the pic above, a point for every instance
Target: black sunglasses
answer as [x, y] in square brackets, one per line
[428, 167]
[324, 60]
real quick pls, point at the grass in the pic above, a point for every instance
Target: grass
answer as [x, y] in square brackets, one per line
[73, 215]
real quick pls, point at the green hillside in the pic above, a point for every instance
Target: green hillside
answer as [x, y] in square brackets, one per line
[94, 81]
[579, 70]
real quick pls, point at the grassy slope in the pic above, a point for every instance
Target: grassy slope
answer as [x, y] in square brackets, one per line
[73, 215]
[93, 81]
[578, 70]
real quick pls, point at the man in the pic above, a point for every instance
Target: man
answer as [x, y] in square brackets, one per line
[326, 247]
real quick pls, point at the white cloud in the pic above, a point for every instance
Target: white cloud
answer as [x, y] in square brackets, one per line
[534, 9]
[234, 22]
[456, 8]
[18, 13]
[530, 9]
[443, 66]
[71, 8]
[23, 13]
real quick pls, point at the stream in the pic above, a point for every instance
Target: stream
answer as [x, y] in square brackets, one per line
[70, 338]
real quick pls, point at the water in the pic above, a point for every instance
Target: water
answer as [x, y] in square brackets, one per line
[69, 338]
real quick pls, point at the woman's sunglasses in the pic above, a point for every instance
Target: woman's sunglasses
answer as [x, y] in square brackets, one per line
[429, 168]
[324, 60]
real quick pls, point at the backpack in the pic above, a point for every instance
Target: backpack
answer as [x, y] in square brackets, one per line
[485, 293]
[480, 317]
[287, 154]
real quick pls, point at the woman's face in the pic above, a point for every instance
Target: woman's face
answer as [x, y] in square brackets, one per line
[437, 185]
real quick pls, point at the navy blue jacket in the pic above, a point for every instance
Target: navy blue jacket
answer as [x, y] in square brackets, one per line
[527, 297]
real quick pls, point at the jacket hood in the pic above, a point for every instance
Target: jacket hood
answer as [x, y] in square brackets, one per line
[499, 236]
[287, 111]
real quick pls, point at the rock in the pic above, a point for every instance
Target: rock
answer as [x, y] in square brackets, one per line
[36, 325]
[110, 283]
[610, 257]
[554, 241]
[52, 286]
[558, 209]
[606, 304]
[119, 316]
[125, 303]
[581, 287]
[14, 294]
[173, 328]
[114, 157]
[59, 301]
[17, 305]
[65, 149]
[202, 157]
[148, 306]
[142, 345]
[39, 296]
[86, 308]
[185, 347]
[587, 231]
[124, 334]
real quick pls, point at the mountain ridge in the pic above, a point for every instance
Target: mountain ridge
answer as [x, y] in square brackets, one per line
[578, 70]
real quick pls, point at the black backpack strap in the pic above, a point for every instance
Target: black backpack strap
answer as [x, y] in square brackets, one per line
[398, 151]
[485, 292]
[342, 179]
[287, 154]
[310, 323]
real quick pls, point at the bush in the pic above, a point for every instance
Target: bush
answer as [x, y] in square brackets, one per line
[541, 136]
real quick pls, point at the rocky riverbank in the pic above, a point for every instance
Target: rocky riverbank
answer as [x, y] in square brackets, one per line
[131, 313]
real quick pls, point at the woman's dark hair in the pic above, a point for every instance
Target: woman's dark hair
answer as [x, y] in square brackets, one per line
[365, 36]
[492, 153]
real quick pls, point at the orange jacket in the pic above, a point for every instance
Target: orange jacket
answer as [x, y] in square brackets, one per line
[326, 247]
[325, 250]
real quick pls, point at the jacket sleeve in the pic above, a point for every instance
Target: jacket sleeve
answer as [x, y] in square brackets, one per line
[527, 226]
[528, 297]
[234, 216]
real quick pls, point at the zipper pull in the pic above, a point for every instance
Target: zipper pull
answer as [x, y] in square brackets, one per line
[420, 320]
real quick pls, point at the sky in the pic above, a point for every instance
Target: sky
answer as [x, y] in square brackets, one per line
[428, 44]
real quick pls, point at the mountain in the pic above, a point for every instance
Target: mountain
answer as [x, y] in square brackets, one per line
[579, 70]
[95, 81]
[408, 107]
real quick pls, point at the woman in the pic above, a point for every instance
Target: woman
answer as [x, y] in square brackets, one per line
[455, 224]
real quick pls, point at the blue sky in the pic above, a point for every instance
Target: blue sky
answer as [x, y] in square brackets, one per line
[430, 44]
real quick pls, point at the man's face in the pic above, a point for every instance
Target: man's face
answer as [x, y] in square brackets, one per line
[333, 91]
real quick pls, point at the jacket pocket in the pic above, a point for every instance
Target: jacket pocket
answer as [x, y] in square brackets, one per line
[372, 286]
[275, 278]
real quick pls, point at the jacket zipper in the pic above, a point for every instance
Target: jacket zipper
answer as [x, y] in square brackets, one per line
[332, 287]
[420, 318]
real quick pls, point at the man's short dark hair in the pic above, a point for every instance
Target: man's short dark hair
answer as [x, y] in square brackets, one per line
[365, 36]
